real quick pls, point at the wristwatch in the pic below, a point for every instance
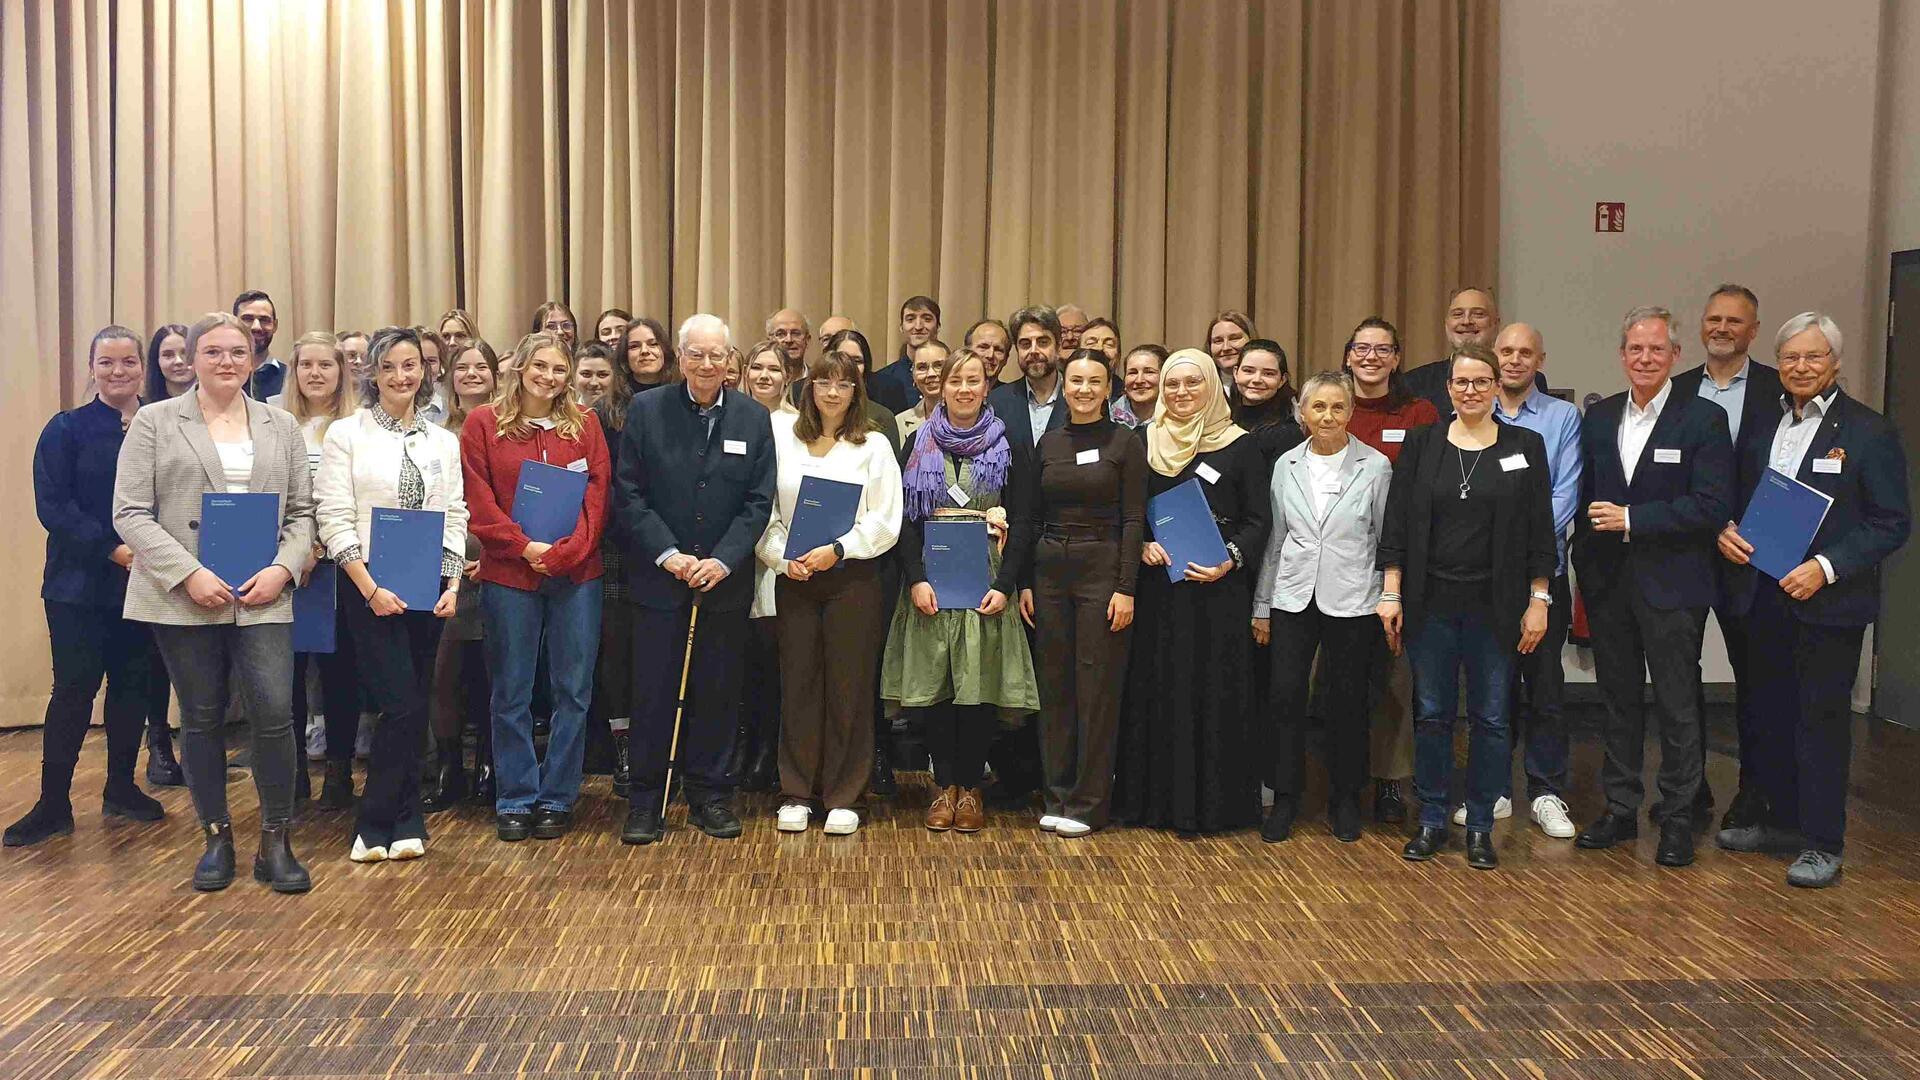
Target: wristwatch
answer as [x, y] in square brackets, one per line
[1543, 597]
[839, 550]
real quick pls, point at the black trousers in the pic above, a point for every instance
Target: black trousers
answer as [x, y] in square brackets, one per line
[396, 655]
[713, 702]
[1081, 666]
[159, 691]
[761, 697]
[1803, 693]
[1346, 646]
[1734, 630]
[958, 737]
[1635, 644]
[90, 644]
[339, 678]
[1539, 693]
[211, 666]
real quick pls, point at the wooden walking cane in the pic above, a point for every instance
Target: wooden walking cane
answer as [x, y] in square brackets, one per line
[680, 709]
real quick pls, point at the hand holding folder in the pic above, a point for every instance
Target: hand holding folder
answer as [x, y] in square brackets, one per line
[823, 512]
[1780, 522]
[1183, 524]
[405, 554]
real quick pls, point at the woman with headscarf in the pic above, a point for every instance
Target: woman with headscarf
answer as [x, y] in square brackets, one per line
[1184, 753]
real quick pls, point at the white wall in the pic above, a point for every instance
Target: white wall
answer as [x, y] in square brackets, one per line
[1741, 138]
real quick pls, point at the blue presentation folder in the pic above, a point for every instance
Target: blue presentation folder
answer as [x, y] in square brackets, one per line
[547, 504]
[239, 534]
[1183, 524]
[823, 513]
[958, 566]
[405, 555]
[1780, 521]
[314, 606]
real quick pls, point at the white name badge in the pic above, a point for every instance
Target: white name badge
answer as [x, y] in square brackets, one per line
[1394, 434]
[1827, 465]
[734, 446]
[958, 496]
[1087, 457]
[1329, 486]
[1513, 462]
[1666, 457]
[1208, 473]
[577, 466]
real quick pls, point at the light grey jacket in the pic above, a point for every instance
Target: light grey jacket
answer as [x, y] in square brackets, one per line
[167, 462]
[1325, 561]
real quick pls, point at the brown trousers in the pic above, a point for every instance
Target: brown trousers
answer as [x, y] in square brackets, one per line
[830, 637]
[1082, 667]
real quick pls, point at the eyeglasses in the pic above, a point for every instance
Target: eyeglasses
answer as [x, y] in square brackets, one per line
[1371, 350]
[1795, 359]
[840, 385]
[1478, 386]
[559, 328]
[691, 357]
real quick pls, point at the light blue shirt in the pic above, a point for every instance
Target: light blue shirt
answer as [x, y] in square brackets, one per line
[1557, 423]
[1732, 398]
[1039, 412]
[1793, 437]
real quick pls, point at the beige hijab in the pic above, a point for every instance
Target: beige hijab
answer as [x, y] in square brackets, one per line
[1172, 444]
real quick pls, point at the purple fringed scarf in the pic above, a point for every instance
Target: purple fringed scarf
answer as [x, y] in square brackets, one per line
[985, 444]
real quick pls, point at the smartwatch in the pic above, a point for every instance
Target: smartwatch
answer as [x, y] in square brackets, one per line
[1543, 597]
[839, 550]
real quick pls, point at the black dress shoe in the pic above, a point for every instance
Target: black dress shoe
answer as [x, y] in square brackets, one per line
[513, 827]
[132, 803]
[550, 824]
[1425, 844]
[1676, 842]
[643, 825]
[1748, 809]
[1279, 825]
[882, 783]
[214, 871]
[1480, 854]
[275, 864]
[1609, 830]
[716, 819]
[43, 822]
[1343, 817]
[483, 788]
[1388, 807]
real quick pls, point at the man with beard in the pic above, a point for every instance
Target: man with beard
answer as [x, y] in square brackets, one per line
[1033, 406]
[255, 309]
[892, 385]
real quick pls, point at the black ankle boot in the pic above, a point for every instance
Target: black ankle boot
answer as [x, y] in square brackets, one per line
[882, 782]
[275, 864]
[763, 770]
[336, 791]
[742, 750]
[622, 765]
[450, 780]
[44, 822]
[214, 871]
[163, 770]
[127, 801]
[483, 786]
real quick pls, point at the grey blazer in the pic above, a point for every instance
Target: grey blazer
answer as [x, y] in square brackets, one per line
[1325, 561]
[167, 462]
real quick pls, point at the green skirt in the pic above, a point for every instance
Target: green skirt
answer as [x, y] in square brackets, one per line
[958, 656]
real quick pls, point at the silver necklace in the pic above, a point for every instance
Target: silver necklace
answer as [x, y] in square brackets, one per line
[1467, 471]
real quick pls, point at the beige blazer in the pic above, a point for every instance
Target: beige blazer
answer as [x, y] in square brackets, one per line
[167, 462]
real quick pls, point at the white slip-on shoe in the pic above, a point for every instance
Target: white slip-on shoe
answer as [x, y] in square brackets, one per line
[1069, 827]
[1049, 822]
[1502, 809]
[361, 853]
[317, 739]
[794, 817]
[1550, 813]
[407, 849]
[842, 822]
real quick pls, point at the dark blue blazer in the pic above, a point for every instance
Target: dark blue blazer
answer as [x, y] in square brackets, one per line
[1868, 521]
[1675, 509]
[892, 386]
[267, 381]
[675, 486]
[73, 467]
[1009, 401]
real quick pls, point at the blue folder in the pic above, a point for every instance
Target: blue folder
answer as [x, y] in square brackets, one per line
[958, 566]
[239, 534]
[405, 555]
[1183, 524]
[314, 607]
[823, 513]
[547, 504]
[1780, 521]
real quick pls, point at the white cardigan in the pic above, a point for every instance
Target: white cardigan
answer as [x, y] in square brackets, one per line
[876, 525]
[360, 469]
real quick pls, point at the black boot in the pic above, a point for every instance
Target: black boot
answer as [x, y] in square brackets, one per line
[1388, 807]
[275, 864]
[163, 770]
[127, 801]
[450, 780]
[336, 793]
[882, 783]
[302, 782]
[45, 821]
[763, 770]
[742, 750]
[622, 766]
[214, 871]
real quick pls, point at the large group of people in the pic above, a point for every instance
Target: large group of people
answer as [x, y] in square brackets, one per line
[1387, 532]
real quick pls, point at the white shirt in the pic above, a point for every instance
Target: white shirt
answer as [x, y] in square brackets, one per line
[1323, 477]
[871, 464]
[1636, 427]
[1790, 442]
[236, 461]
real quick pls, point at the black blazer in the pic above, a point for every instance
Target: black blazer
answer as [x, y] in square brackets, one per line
[1868, 521]
[1009, 402]
[1523, 544]
[1675, 510]
[892, 386]
[675, 486]
[1759, 415]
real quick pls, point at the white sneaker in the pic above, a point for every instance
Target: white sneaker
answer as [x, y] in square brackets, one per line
[1550, 813]
[317, 739]
[361, 853]
[842, 822]
[363, 738]
[407, 849]
[794, 817]
[1049, 822]
[1066, 826]
[1502, 809]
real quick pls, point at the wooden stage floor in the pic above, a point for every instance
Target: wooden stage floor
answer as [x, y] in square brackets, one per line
[898, 952]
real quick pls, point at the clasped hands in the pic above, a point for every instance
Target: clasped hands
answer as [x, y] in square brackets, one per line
[701, 574]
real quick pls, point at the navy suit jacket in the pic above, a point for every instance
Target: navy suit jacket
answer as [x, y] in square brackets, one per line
[892, 386]
[1675, 509]
[676, 486]
[1868, 521]
[1009, 402]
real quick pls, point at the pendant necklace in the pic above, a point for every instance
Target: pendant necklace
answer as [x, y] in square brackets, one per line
[1466, 471]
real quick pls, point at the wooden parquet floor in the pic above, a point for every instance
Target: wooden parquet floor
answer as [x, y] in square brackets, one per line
[1012, 953]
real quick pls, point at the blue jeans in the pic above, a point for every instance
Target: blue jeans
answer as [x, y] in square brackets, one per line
[1448, 637]
[567, 616]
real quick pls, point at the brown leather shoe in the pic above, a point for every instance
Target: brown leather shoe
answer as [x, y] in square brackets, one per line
[940, 814]
[968, 813]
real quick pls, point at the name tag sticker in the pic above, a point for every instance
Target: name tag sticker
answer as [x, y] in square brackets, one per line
[1087, 457]
[958, 496]
[1394, 434]
[577, 466]
[1666, 457]
[1208, 473]
[1827, 465]
[734, 446]
[1513, 463]
[1329, 486]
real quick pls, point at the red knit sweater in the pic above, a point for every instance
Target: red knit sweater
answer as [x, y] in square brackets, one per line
[492, 467]
[1372, 419]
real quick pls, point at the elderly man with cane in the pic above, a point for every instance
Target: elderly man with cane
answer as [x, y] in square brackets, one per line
[692, 492]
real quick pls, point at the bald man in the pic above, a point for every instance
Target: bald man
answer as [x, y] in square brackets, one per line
[788, 330]
[1472, 317]
[833, 325]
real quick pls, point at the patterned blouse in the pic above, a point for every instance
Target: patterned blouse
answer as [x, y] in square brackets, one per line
[413, 489]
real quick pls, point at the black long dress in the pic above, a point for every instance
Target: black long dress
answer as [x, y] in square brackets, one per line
[1275, 431]
[1185, 761]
